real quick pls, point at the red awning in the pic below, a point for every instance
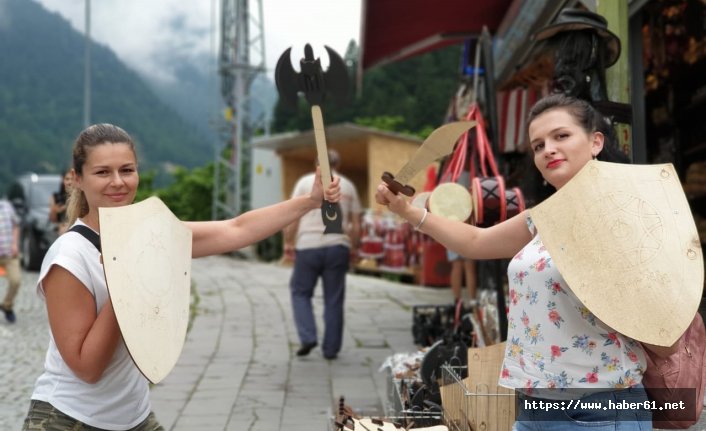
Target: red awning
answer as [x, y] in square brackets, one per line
[392, 30]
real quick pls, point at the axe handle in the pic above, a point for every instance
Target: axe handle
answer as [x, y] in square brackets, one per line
[330, 212]
[321, 151]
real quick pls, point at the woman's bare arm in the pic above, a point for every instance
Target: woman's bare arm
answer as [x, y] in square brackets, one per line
[86, 340]
[503, 240]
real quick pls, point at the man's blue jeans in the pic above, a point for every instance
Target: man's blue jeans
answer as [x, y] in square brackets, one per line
[331, 264]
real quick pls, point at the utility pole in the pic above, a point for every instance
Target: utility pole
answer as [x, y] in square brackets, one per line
[242, 59]
[87, 68]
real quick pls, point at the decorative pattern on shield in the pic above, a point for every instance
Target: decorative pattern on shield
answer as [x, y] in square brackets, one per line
[626, 243]
[147, 264]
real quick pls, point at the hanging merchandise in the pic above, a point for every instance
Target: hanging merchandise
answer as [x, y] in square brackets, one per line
[514, 108]
[394, 258]
[583, 48]
[371, 244]
[492, 202]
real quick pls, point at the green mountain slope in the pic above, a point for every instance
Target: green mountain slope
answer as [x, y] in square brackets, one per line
[41, 98]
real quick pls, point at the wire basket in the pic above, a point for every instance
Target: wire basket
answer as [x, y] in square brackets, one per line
[398, 407]
[475, 407]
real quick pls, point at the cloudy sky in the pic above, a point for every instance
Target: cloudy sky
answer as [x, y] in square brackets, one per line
[146, 33]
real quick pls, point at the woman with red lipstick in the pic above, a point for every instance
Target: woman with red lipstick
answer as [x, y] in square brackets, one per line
[89, 379]
[554, 342]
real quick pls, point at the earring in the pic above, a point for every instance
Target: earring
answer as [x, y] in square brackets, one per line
[544, 183]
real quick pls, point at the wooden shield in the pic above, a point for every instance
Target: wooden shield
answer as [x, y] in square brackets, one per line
[626, 243]
[147, 263]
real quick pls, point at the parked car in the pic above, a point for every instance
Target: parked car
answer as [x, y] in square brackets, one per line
[30, 194]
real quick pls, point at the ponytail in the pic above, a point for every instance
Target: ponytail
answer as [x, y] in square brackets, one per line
[76, 205]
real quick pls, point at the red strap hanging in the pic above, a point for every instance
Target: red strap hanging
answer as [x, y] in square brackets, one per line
[482, 150]
[458, 160]
[485, 152]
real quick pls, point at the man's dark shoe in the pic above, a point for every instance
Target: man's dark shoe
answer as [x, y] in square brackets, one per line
[330, 357]
[9, 314]
[305, 349]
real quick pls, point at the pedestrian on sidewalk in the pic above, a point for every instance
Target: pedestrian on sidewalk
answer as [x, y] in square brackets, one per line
[322, 256]
[550, 330]
[89, 379]
[57, 202]
[463, 272]
[10, 256]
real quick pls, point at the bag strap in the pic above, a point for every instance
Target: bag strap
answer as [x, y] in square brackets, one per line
[89, 234]
[455, 165]
[485, 152]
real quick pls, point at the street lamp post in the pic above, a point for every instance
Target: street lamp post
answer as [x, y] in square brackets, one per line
[87, 68]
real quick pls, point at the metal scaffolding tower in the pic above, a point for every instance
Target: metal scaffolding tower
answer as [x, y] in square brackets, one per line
[242, 59]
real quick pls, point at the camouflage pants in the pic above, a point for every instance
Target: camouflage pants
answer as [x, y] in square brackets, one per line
[43, 416]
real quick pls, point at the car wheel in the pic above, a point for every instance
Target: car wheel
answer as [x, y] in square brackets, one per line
[30, 251]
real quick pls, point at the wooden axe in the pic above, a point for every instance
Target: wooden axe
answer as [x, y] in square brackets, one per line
[315, 84]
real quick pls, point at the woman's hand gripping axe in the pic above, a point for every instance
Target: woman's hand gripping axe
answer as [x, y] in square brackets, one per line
[315, 84]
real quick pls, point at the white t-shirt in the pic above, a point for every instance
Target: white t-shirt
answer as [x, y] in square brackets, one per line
[120, 399]
[311, 228]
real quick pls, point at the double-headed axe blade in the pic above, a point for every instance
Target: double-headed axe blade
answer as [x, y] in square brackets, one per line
[438, 144]
[311, 80]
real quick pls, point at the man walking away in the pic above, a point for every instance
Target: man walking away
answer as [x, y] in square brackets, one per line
[10, 256]
[326, 256]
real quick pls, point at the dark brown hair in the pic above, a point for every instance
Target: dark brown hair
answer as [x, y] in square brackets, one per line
[91, 137]
[589, 119]
[585, 116]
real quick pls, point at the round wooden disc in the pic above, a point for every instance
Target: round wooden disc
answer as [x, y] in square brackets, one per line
[451, 201]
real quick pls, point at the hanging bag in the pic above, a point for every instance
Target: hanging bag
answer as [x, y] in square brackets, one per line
[679, 377]
[492, 202]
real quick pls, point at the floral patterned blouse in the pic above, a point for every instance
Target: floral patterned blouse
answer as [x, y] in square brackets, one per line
[553, 340]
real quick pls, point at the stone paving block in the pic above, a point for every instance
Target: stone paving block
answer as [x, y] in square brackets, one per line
[260, 396]
[186, 375]
[310, 400]
[208, 406]
[175, 392]
[223, 370]
[166, 412]
[305, 420]
[192, 423]
[252, 425]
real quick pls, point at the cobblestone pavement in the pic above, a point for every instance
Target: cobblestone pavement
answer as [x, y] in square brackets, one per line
[238, 370]
[23, 346]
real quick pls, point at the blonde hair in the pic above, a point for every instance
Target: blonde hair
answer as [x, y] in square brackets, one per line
[91, 137]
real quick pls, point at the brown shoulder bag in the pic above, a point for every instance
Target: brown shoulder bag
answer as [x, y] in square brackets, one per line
[678, 378]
